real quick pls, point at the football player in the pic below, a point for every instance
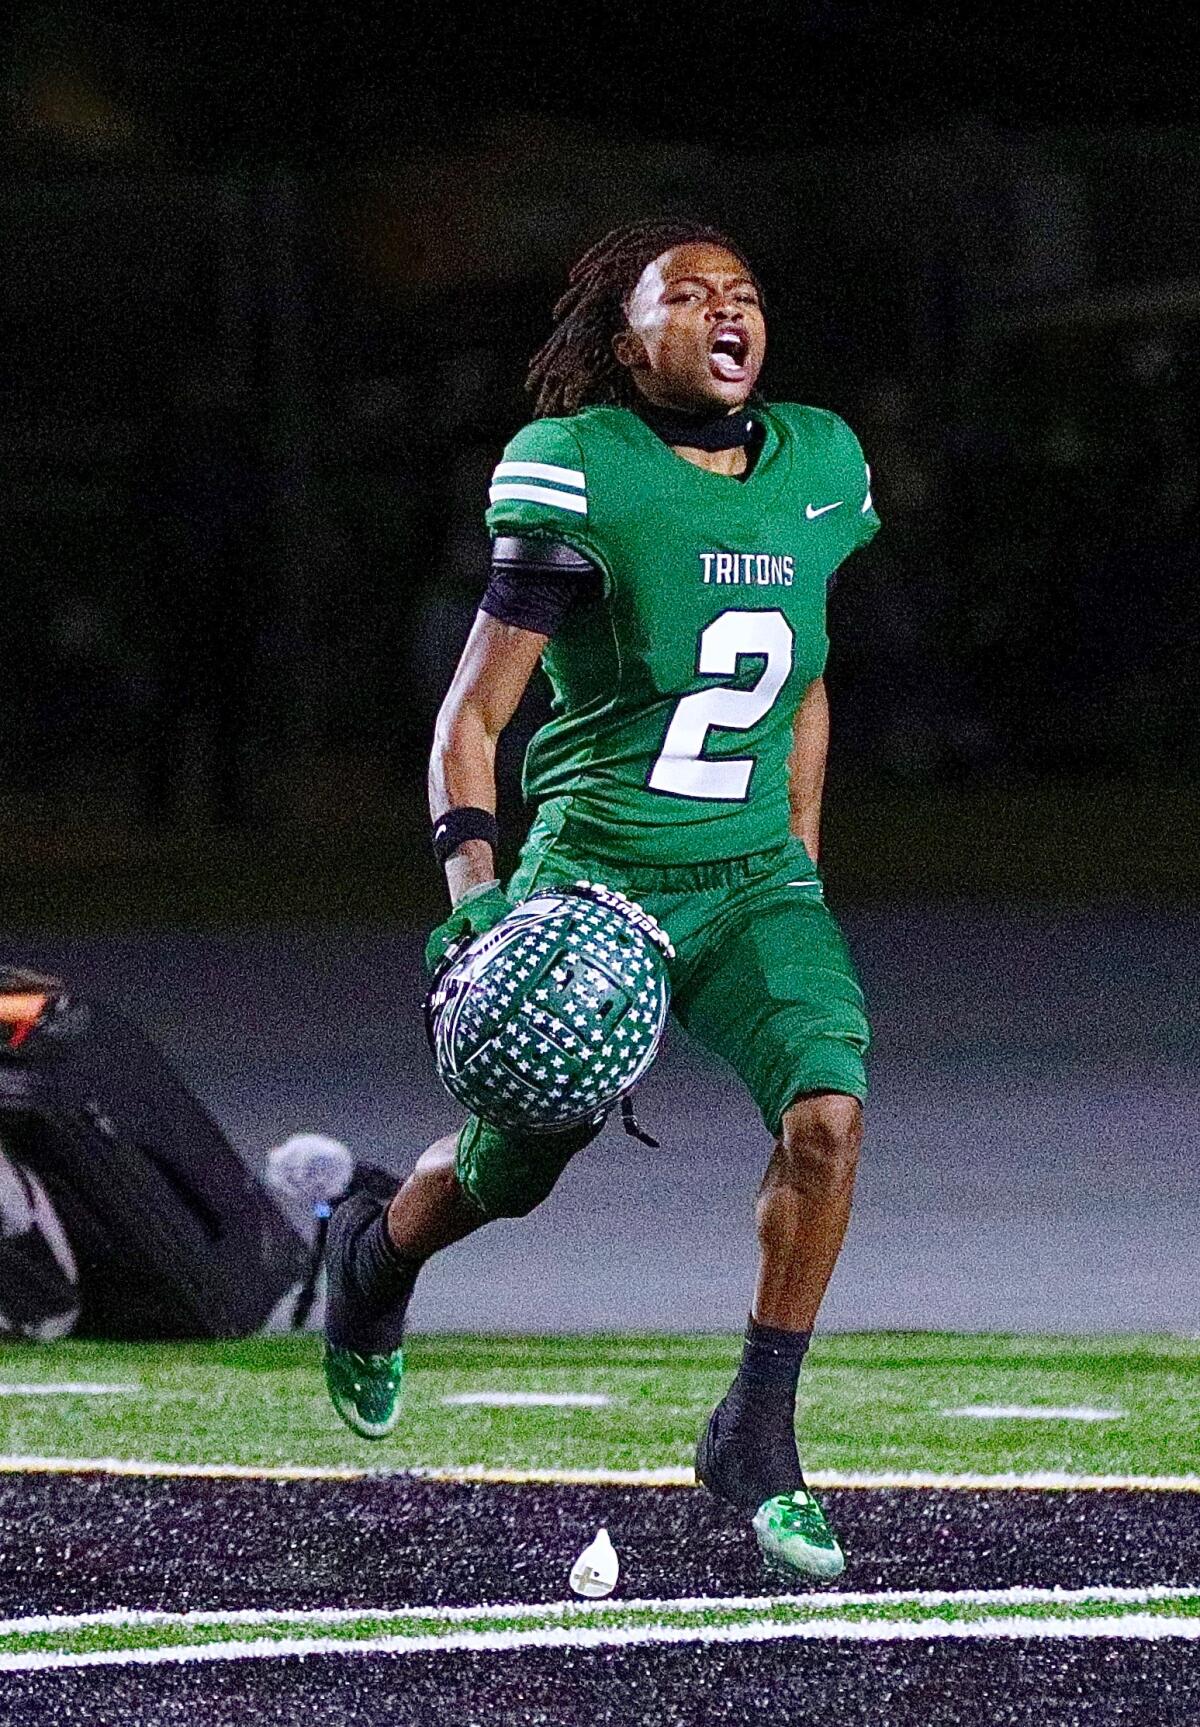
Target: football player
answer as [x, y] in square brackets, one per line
[663, 538]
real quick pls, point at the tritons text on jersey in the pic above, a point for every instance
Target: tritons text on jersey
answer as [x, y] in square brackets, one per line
[747, 569]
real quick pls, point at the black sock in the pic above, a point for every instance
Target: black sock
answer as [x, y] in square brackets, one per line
[771, 1361]
[367, 1313]
[756, 1453]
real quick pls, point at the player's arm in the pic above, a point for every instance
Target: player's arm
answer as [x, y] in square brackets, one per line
[538, 492]
[806, 766]
[496, 665]
[536, 583]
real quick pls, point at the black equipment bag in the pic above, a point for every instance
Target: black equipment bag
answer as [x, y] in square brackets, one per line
[173, 1235]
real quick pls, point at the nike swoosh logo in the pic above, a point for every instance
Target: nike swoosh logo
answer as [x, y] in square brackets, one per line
[812, 512]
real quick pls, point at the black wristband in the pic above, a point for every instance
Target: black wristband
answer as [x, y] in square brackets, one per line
[457, 826]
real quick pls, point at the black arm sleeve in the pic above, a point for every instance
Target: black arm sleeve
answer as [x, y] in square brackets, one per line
[535, 584]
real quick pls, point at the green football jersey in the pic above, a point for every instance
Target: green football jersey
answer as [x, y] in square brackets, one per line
[674, 697]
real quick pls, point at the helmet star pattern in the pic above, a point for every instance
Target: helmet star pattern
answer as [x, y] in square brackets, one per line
[549, 1018]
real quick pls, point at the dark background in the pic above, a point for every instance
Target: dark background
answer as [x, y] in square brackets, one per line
[268, 287]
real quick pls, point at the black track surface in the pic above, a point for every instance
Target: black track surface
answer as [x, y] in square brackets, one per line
[78, 1543]
[88, 1542]
[1000, 1684]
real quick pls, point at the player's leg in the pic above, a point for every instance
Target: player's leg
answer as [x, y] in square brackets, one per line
[803, 1208]
[801, 1215]
[748, 1453]
[376, 1248]
[777, 996]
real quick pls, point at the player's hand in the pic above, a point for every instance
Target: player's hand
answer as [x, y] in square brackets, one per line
[473, 915]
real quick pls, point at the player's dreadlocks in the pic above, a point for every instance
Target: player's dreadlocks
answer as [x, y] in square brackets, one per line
[576, 365]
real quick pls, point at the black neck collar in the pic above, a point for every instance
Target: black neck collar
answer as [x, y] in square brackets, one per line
[690, 430]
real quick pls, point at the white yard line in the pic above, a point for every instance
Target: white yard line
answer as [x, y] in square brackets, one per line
[1046, 1481]
[67, 1388]
[1032, 1412]
[47, 1624]
[1141, 1627]
[530, 1399]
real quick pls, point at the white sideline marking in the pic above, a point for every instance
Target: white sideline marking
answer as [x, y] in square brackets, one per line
[1020, 1595]
[670, 1475]
[66, 1388]
[1033, 1412]
[21, 1465]
[531, 1399]
[1045, 1480]
[673, 1475]
[1144, 1627]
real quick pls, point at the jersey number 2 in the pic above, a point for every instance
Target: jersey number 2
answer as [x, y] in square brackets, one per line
[681, 768]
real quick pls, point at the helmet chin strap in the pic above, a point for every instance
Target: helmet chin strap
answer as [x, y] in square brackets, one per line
[700, 428]
[629, 1122]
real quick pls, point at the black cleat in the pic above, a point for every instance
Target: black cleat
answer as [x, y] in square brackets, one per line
[789, 1525]
[364, 1330]
[706, 1459]
[722, 1482]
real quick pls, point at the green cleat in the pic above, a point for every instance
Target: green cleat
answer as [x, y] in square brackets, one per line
[792, 1530]
[365, 1389]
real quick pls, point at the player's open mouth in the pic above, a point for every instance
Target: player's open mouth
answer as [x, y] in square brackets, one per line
[728, 353]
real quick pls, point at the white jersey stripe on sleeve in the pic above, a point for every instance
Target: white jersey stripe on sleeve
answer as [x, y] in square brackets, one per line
[867, 499]
[541, 471]
[540, 495]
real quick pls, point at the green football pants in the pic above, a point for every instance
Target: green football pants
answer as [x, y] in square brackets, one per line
[761, 976]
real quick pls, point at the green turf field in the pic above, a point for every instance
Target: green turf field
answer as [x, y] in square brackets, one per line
[876, 1409]
[870, 1403]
